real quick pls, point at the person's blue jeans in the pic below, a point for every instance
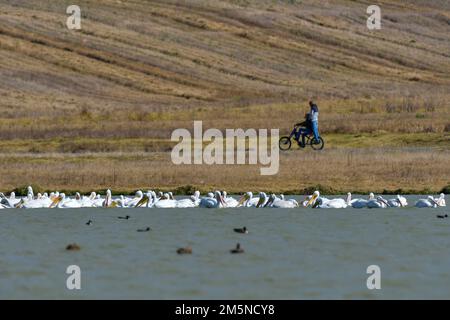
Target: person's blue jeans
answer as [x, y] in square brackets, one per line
[315, 129]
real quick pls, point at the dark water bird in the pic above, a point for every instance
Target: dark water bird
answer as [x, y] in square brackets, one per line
[144, 230]
[126, 217]
[89, 223]
[186, 250]
[241, 230]
[238, 249]
[73, 247]
[442, 216]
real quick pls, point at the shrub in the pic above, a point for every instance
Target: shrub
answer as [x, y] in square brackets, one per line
[420, 116]
[72, 147]
[447, 127]
[185, 190]
[429, 106]
[85, 113]
[321, 188]
[429, 129]
[446, 189]
[22, 191]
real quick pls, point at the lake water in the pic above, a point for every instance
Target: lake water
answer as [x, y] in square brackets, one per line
[298, 253]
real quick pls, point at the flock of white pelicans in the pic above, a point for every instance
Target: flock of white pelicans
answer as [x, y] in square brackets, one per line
[217, 199]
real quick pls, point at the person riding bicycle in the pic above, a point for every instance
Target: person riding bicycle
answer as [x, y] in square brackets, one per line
[310, 125]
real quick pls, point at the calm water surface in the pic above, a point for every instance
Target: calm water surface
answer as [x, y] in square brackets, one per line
[289, 253]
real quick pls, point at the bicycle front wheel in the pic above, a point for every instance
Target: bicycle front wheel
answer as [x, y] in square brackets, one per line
[284, 143]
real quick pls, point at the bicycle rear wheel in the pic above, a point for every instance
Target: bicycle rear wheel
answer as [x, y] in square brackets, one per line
[284, 143]
[317, 144]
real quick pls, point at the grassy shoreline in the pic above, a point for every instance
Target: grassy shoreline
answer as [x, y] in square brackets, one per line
[386, 162]
[335, 171]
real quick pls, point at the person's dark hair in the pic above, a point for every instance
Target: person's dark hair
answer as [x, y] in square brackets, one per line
[311, 102]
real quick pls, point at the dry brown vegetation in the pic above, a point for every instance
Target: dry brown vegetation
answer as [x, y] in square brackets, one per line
[93, 98]
[338, 170]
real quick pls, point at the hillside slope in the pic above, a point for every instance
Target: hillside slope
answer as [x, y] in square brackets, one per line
[95, 108]
[153, 54]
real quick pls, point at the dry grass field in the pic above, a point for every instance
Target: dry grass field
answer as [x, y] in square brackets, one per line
[332, 171]
[95, 108]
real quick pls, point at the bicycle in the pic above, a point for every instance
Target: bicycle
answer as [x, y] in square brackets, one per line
[285, 142]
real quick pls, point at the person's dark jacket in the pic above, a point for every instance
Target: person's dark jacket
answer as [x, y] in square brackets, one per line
[307, 123]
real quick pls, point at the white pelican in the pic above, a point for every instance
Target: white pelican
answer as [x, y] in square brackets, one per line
[399, 201]
[292, 200]
[305, 202]
[337, 203]
[186, 203]
[44, 201]
[312, 198]
[77, 196]
[53, 195]
[30, 192]
[12, 199]
[98, 201]
[196, 198]
[166, 202]
[281, 203]
[358, 203]
[147, 200]
[263, 201]
[441, 200]
[429, 202]
[57, 201]
[316, 201]
[94, 200]
[212, 202]
[379, 202]
[230, 202]
[120, 202]
[62, 202]
[5, 202]
[133, 202]
[267, 201]
[29, 203]
[88, 202]
[247, 200]
[109, 202]
[191, 202]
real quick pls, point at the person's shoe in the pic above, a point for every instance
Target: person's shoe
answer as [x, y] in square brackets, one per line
[301, 144]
